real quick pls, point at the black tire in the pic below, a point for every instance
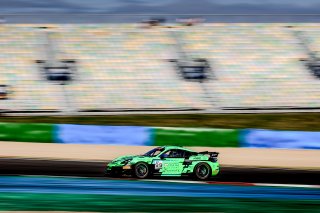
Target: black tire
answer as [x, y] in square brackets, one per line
[141, 170]
[202, 171]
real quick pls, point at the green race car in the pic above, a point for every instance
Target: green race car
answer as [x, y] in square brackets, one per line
[169, 161]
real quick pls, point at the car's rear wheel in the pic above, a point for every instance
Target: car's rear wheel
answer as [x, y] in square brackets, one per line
[202, 171]
[141, 170]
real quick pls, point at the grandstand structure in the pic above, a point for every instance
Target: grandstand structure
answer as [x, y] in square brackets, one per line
[104, 68]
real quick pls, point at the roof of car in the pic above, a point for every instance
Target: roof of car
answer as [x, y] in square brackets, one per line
[177, 147]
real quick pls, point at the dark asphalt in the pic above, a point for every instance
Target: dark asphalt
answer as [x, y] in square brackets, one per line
[12, 166]
[75, 185]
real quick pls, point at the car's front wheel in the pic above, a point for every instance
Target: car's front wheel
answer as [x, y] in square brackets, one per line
[141, 170]
[202, 171]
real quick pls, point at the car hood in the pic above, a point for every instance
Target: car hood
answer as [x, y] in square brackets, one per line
[123, 158]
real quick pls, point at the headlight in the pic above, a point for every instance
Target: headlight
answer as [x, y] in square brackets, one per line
[125, 162]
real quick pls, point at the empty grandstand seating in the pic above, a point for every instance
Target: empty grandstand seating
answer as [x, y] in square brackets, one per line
[19, 49]
[256, 65]
[121, 67]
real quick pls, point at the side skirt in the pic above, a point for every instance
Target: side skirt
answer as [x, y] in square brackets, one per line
[159, 174]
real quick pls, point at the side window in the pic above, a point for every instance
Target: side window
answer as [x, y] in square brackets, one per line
[166, 154]
[187, 154]
[177, 153]
[174, 153]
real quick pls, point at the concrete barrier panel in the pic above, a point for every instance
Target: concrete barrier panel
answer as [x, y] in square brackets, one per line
[26, 132]
[280, 139]
[196, 137]
[111, 135]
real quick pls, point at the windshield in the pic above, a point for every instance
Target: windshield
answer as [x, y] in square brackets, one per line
[154, 152]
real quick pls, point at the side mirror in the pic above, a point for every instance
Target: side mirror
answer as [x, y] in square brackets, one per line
[162, 157]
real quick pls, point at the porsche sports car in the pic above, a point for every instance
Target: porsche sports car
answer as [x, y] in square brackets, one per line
[166, 161]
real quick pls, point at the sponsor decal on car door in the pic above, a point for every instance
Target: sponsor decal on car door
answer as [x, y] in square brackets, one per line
[172, 166]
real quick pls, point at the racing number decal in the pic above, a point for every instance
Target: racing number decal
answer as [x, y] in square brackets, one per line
[158, 164]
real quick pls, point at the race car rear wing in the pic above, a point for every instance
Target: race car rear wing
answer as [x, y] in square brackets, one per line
[212, 154]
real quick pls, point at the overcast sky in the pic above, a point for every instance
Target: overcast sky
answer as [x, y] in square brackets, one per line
[161, 6]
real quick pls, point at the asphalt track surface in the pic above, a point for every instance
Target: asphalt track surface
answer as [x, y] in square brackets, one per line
[74, 185]
[18, 166]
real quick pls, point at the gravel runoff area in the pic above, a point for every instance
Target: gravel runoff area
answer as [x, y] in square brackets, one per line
[279, 158]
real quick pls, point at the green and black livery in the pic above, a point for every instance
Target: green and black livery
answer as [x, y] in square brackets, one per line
[168, 161]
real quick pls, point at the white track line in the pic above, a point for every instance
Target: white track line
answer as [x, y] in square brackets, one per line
[287, 185]
[224, 183]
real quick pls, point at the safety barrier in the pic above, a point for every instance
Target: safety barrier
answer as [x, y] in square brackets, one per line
[157, 136]
[111, 135]
[258, 138]
[26, 132]
[196, 137]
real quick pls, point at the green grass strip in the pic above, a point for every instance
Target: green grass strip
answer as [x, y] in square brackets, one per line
[109, 203]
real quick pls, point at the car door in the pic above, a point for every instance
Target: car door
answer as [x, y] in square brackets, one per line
[172, 162]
